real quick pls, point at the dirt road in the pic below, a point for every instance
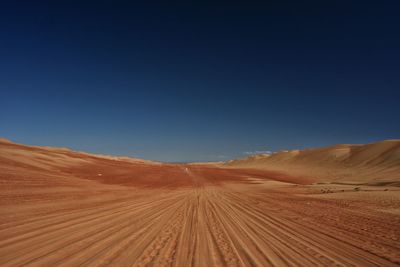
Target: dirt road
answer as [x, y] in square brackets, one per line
[262, 223]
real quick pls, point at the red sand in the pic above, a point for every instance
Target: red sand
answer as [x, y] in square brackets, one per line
[65, 208]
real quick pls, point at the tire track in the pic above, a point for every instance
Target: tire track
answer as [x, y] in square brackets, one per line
[202, 225]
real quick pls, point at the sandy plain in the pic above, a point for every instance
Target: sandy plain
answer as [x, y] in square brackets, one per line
[64, 208]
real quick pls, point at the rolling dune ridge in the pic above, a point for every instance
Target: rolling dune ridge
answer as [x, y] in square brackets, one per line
[64, 208]
[364, 164]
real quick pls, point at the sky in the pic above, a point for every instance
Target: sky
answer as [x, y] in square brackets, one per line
[199, 82]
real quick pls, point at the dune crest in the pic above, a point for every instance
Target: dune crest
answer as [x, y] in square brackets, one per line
[60, 207]
[371, 163]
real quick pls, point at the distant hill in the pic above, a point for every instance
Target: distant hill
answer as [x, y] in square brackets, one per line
[375, 163]
[48, 157]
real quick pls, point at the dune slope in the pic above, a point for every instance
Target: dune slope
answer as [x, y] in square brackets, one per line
[376, 163]
[64, 208]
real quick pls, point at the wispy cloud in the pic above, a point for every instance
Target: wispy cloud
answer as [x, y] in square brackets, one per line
[257, 152]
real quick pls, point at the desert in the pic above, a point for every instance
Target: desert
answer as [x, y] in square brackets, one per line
[60, 207]
[199, 133]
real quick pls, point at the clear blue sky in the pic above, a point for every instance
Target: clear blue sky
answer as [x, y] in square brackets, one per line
[199, 82]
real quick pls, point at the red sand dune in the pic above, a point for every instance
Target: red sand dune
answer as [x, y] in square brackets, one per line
[65, 208]
[376, 163]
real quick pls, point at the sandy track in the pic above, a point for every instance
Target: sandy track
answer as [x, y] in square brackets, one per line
[201, 225]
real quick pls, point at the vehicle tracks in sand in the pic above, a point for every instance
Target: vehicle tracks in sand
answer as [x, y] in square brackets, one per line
[200, 225]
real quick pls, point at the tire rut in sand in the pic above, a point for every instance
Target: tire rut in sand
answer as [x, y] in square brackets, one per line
[198, 226]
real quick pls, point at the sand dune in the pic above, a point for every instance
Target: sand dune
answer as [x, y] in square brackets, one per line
[365, 164]
[64, 208]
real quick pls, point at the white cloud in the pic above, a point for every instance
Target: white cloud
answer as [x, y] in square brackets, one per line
[258, 152]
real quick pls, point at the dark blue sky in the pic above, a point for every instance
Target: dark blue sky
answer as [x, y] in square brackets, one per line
[199, 82]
